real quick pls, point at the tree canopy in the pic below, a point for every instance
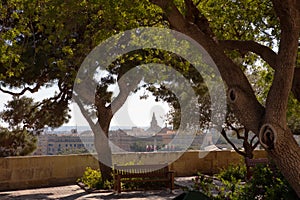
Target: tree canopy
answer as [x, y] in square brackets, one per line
[268, 121]
[254, 45]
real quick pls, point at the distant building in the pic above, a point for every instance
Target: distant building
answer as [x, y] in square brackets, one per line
[154, 128]
[54, 144]
[135, 139]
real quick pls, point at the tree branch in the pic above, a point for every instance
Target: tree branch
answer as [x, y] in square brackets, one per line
[255, 145]
[252, 139]
[196, 17]
[172, 12]
[31, 90]
[84, 112]
[126, 86]
[223, 133]
[264, 52]
[237, 82]
[285, 63]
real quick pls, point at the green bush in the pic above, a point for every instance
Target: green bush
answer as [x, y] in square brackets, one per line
[93, 180]
[233, 173]
[265, 184]
[203, 183]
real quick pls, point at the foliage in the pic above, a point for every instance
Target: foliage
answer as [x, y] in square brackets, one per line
[229, 185]
[203, 183]
[16, 142]
[233, 173]
[24, 113]
[264, 184]
[138, 183]
[26, 119]
[93, 180]
[267, 184]
[43, 44]
[73, 151]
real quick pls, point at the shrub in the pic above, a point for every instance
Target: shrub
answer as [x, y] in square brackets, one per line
[93, 180]
[267, 184]
[203, 183]
[233, 173]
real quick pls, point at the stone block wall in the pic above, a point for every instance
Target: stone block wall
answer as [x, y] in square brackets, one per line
[43, 171]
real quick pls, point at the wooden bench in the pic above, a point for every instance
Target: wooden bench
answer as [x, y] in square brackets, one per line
[142, 173]
[250, 163]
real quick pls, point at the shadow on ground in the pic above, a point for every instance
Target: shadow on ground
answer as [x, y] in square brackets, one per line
[136, 195]
[41, 196]
[25, 196]
[78, 194]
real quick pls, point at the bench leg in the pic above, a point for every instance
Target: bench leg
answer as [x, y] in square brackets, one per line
[119, 183]
[115, 182]
[171, 182]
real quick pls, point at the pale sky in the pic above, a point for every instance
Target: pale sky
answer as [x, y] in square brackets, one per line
[134, 112]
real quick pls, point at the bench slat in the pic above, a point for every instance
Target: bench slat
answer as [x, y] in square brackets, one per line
[145, 180]
[146, 173]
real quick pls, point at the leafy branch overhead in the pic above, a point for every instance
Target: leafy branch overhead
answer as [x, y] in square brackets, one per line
[255, 27]
[43, 44]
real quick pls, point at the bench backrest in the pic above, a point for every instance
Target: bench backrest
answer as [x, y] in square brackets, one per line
[141, 169]
[257, 161]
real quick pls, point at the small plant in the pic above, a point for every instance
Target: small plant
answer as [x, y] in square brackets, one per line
[267, 184]
[204, 184]
[93, 180]
[233, 173]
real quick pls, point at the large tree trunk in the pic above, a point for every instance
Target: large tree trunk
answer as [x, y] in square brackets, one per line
[104, 160]
[285, 154]
[269, 122]
[104, 156]
[101, 140]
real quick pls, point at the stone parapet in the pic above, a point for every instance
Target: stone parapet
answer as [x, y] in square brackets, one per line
[43, 171]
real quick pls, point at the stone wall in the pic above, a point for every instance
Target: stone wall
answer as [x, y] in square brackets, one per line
[42, 171]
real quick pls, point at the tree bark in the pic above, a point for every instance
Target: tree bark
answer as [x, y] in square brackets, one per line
[103, 149]
[268, 123]
[286, 156]
[104, 114]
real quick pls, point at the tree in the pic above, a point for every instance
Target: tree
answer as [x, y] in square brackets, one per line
[16, 142]
[43, 43]
[26, 119]
[268, 122]
[25, 114]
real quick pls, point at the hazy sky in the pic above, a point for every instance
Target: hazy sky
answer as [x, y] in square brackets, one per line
[135, 112]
